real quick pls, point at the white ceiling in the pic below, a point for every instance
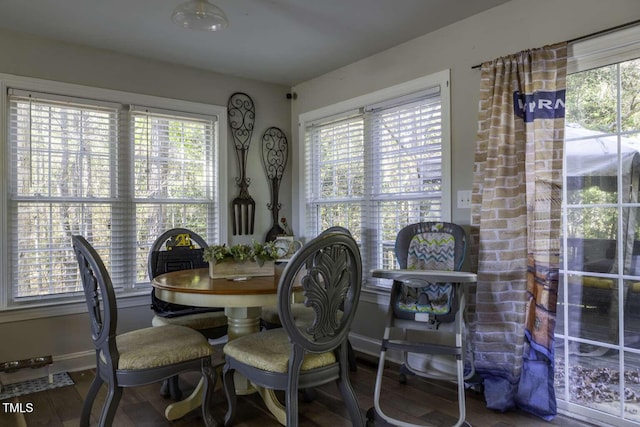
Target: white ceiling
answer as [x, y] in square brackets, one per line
[279, 41]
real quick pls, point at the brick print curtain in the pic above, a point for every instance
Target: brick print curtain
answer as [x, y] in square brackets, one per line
[515, 227]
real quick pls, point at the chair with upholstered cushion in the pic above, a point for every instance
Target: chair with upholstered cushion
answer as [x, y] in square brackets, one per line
[305, 355]
[270, 319]
[138, 357]
[174, 250]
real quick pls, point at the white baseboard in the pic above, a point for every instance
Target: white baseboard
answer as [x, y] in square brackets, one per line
[75, 361]
[66, 363]
[371, 347]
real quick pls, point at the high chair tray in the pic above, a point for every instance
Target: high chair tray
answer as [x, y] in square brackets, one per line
[433, 276]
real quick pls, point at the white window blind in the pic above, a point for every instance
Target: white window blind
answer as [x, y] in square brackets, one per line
[61, 183]
[174, 178]
[376, 171]
[118, 177]
[337, 196]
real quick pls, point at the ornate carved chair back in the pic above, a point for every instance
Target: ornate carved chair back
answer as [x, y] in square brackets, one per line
[329, 269]
[100, 298]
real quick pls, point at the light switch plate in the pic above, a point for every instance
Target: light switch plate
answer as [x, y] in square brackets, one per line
[464, 199]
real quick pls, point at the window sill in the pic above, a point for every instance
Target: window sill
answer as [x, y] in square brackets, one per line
[18, 314]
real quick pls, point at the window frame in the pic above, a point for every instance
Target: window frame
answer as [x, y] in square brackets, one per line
[405, 89]
[134, 296]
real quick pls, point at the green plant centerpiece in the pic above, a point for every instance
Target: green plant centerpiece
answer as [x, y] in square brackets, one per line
[241, 260]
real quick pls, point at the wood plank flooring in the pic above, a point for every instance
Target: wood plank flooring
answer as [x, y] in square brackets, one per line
[418, 401]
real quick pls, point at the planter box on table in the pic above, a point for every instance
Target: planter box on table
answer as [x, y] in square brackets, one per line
[234, 269]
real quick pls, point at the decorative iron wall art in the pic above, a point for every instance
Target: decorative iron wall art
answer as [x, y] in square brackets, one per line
[275, 151]
[241, 115]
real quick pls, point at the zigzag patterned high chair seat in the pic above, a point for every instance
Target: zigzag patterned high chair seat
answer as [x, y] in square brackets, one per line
[432, 248]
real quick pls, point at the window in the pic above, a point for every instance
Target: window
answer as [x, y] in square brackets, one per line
[598, 303]
[377, 163]
[119, 173]
[174, 180]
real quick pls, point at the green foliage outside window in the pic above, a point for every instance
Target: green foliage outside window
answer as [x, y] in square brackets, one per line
[592, 102]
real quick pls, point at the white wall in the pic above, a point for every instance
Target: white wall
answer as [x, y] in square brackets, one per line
[509, 28]
[68, 336]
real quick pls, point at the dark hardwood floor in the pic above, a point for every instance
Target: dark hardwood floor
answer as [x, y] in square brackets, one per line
[419, 400]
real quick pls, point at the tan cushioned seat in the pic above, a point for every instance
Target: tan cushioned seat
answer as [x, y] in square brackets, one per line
[601, 283]
[149, 347]
[270, 350]
[301, 313]
[591, 282]
[634, 286]
[198, 321]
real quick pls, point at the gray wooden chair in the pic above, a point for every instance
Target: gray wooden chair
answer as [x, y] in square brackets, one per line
[270, 318]
[138, 357]
[298, 356]
[174, 250]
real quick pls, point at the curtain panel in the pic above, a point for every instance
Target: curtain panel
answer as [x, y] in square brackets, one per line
[516, 225]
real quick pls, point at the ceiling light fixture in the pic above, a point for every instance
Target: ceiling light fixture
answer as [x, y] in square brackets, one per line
[199, 15]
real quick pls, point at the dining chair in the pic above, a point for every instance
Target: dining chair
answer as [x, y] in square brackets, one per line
[138, 357]
[305, 355]
[425, 321]
[174, 250]
[270, 318]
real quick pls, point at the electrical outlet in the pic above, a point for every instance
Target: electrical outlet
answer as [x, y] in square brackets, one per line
[464, 199]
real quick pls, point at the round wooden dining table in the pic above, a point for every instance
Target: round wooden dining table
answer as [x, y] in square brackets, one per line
[242, 299]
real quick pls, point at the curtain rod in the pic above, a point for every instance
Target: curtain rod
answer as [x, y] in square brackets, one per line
[597, 33]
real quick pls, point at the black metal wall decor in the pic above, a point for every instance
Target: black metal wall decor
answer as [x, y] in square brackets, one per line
[242, 114]
[275, 150]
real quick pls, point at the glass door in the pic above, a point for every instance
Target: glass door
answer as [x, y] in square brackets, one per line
[598, 328]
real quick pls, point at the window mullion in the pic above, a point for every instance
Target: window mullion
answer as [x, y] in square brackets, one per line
[370, 208]
[124, 238]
